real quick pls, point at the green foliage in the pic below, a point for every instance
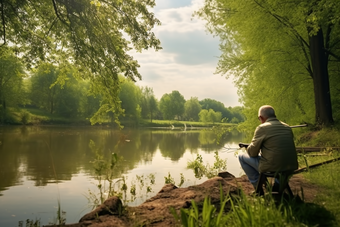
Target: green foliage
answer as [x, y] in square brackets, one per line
[197, 166]
[217, 106]
[203, 116]
[96, 37]
[25, 116]
[267, 46]
[260, 212]
[182, 180]
[148, 103]
[172, 105]
[207, 170]
[61, 96]
[328, 177]
[129, 96]
[207, 216]
[210, 116]
[169, 179]
[12, 90]
[106, 169]
[252, 211]
[192, 108]
[30, 223]
[144, 183]
[326, 137]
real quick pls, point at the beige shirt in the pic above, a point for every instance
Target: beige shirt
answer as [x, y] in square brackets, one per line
[274, 141]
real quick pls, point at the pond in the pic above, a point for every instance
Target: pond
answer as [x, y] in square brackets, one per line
[43, 168]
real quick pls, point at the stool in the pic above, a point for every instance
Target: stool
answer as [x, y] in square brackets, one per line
[283, 178]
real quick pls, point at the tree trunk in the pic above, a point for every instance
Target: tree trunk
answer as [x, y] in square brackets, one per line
[323, 105]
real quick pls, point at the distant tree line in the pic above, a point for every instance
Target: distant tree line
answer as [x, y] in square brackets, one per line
[60, 90]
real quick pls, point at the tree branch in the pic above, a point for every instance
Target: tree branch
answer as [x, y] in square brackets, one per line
[332, 54]
[286, 23]
[57, 13]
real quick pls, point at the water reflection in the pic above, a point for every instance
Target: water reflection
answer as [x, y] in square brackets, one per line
[49, 154]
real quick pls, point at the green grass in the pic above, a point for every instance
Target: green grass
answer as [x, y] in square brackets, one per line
[327, 177]
[181, 124]
[34, 116]
[242, 210]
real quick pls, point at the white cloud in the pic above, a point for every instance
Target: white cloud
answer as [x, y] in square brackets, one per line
[188, 59]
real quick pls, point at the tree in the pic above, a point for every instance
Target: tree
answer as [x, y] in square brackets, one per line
[216, 106]
[172, 105]
[203, 115]
[280, 52]
[129, 96]
[192, 108]
[11, 81]
[148, 103]
[210, 116]
[237, 114]
[94, 35]
[63, 98]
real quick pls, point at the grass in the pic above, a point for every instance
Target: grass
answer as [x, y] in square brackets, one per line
[243, 210]
[33, 116]
[181, 124]
[328, 178]
[265, 211]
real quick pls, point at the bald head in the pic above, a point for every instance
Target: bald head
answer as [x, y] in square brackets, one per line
[266, 112]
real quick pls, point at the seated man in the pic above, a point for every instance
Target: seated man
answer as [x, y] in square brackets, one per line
[272, 148]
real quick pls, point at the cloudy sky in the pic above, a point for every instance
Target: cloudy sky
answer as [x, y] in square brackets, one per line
[188, 59]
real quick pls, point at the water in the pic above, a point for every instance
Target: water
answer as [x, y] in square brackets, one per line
[41, 166]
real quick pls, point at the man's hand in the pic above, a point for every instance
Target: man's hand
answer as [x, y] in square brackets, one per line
[245, 145]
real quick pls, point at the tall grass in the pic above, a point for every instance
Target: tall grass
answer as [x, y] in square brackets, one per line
[245, 211]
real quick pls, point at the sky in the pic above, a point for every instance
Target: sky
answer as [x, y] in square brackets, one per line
[188, 60]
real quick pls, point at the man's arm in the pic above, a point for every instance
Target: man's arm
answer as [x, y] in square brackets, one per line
[256, 143]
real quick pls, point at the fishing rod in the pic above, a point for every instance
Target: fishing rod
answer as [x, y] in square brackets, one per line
[245, 145]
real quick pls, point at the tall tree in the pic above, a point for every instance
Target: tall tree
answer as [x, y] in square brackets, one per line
[172, 105]
[192, 108]
[94, 35]
[216, 106]
[129, 96]
[11, 81]
[47, 93]
[148, 103]
[43, 94]
[280, 53]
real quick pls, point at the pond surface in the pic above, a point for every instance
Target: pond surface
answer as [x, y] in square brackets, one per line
[43, 166]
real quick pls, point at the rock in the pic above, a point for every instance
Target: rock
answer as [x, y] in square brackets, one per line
[111, 206]
[226, 175]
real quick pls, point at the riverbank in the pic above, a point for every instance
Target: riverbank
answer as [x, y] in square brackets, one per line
[157, 211]
[33, 116]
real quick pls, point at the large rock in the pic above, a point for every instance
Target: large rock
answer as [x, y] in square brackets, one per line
[111, 206]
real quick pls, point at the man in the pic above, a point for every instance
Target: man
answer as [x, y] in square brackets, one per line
[272, 148]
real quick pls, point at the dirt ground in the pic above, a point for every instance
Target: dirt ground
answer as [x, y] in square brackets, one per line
[156, 210]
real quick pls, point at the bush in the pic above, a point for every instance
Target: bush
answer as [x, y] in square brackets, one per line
[25, 117]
